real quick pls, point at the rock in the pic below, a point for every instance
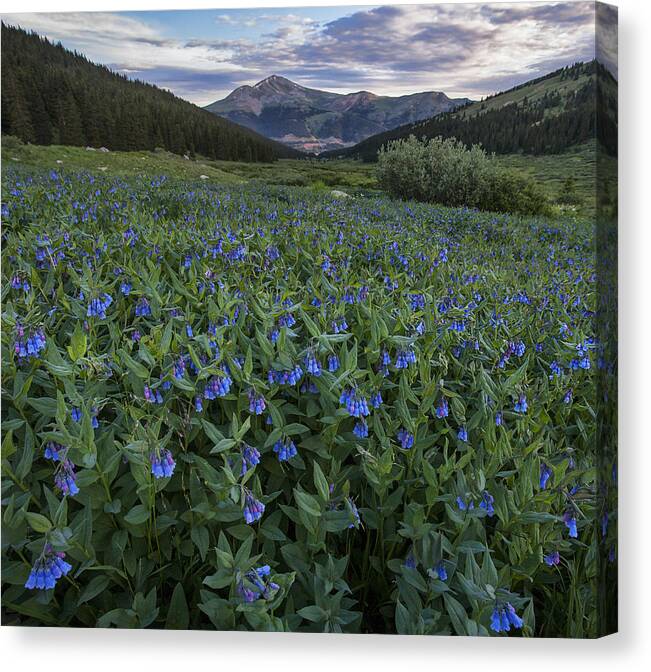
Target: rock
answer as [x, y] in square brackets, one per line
[103, 167]
[103, 149]
[339, 194]
[90, 149]
[186, 157]
[59, 162]
[203, 177]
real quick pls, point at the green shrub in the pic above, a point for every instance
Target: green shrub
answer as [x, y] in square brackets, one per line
[445, 171]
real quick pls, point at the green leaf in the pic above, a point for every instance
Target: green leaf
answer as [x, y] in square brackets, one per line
[138, 515]
[178, 616]
[38, 522]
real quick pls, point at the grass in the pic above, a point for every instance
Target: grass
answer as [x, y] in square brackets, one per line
[353, 175]
[550, 171]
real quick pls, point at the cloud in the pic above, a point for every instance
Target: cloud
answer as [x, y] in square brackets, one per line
[464, 50]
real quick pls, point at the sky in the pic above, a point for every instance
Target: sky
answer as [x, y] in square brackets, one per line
[465, 50]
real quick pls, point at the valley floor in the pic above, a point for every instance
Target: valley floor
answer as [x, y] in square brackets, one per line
[552, 171]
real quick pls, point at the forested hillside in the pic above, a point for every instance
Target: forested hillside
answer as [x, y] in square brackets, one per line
[543, 116]
[53, 96]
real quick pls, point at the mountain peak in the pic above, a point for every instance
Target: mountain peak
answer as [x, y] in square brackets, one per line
[275, 82]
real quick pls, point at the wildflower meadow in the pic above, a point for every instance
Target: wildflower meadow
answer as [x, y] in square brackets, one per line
[265, 408]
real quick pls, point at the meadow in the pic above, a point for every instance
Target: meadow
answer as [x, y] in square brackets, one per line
[551, 172]
[247, 406]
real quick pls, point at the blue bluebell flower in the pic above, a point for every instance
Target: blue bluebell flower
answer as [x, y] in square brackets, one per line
[285, 449]
[142, 307]
[360, 430]
[312, 364]
[545, 474]
[503, 617]
[47, 570]
[250, 458]
[65, 478]
[355, 403]
[257, 402]
[486, 503]
[552, 559]
[521, 404]
[333, 363]
[569, 519]
[162, 463]
[217, 386]
[253, 508]
[53, 451]
[462, 434]
[98, 306]
[30, 347]
[440, 571]
[442, 408]
[405, 438]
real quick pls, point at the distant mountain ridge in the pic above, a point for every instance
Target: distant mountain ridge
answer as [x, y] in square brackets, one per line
[314, 121]
[546, 115]
[51, 96]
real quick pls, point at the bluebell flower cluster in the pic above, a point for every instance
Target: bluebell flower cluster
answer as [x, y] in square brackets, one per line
[162, 463]
[404, 358]
[339, 326]
[405, 439]
[355, 403]
[292, 377]
[486, 503]
[250, 458]
[53, 451]
[360, 430]
[285, 449]
[257, 584]
[417, 301]
[504, 617]
[521, 404]
[257, 402]
[333, 363]
[47, 570]
[376, 399]
[143, 309]
[65, 478]
[442, 408]
[20, 283]
[152, 396]
[30, 347]
[312, 364]
[253, 508]
[462, 434]
[217, 386]
[98, 306]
